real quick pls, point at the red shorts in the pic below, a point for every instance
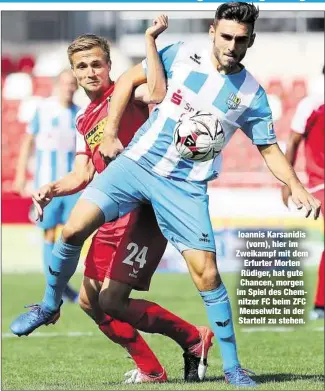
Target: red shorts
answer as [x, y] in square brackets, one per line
[127, 250]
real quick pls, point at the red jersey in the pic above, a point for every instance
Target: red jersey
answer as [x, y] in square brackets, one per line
[309, 121]
[91, 122]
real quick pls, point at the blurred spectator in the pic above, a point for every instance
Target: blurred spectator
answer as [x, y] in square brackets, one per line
[52, 130]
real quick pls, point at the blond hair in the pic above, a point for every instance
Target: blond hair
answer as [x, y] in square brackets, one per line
[88, 42]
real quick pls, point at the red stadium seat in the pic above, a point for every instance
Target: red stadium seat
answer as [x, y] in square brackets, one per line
[7, 65]
[26, 64]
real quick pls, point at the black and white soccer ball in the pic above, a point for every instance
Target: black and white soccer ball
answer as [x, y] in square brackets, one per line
[199, 136]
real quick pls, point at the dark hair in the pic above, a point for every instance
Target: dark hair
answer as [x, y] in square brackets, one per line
[240, 12]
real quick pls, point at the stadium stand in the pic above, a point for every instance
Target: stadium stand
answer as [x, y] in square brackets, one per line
[26, 63]
[19, 104]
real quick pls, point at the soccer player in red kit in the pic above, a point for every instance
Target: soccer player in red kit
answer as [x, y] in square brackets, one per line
[308, 126]
[129, 249]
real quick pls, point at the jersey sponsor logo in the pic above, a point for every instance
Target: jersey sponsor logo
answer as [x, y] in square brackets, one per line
[233, 101]
[196, 58]
[188, 108]
[177, 97]
[95, 135]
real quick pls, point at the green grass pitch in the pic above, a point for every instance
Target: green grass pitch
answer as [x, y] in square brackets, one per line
[57, 360]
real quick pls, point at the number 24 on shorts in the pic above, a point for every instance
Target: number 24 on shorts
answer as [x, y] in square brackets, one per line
[136, 255]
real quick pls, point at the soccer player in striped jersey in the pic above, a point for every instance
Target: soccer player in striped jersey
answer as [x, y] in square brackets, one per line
[150, 170]
[52, 132]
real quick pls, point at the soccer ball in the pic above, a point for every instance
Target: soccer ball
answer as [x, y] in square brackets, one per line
[199, 136]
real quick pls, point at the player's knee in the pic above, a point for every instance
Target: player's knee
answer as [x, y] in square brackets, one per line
[210, 278]
[84, 304]
[91, 310]
[207, 274]
[73, 233]
[110, 305]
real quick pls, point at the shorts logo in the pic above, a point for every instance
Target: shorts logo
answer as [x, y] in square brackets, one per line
[233, 101]
[177, 97]
[205, 238]
[134, 273]
[95, 135]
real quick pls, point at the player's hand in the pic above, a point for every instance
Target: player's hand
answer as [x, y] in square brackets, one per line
[303, 199]
[159, 25]
[110, 148]
[18, 186]
[286, 193]
[41, 198]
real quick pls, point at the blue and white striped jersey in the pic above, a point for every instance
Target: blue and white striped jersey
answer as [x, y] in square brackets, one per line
[195, 85]
[55, 140]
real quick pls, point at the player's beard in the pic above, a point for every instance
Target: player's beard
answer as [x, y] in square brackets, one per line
[228, 67]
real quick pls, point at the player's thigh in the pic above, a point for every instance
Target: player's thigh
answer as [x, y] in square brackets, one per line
[84, 219]
[182, 211]
[101, 252]
[67, 204]
[117, 190]
[51, 216]
[140, 247]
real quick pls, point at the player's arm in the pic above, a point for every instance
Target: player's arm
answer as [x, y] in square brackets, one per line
[291, 155]
[134, 77]
[292, 147]
[283, 170]
[76, 180]
[24, 153]
[155, 89]
[258, 126]
[81, 175]
[279, 165]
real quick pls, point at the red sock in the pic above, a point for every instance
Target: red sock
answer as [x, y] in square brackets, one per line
[151, 318]
[319, 298]
[129, 338]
